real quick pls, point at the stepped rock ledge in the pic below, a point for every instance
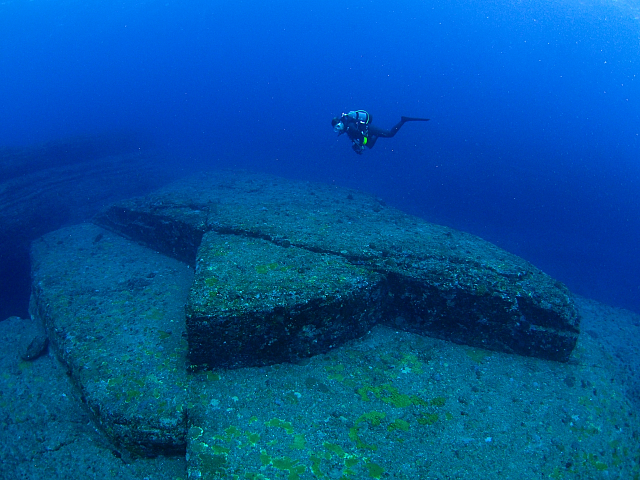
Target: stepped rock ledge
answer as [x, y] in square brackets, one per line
[229, 270]
[287, 269]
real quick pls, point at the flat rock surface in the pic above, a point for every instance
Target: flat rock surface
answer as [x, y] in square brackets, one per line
[254, 302]
[114, 312]
[437, 281]
[398, 405]
[45, 430]
[390, 404]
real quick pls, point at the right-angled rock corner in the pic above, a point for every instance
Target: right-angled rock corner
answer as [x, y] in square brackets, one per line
[288, 269]
[257, 303]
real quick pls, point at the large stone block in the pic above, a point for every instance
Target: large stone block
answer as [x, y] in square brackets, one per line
[271, 288]
[114, 312]
[430, 279]
[257, 303]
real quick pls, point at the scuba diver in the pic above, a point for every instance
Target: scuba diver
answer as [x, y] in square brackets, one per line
[357, 125]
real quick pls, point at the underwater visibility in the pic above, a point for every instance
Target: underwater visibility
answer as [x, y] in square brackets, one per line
[336, 241]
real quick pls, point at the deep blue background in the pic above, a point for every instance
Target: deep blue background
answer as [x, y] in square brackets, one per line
[534, 138]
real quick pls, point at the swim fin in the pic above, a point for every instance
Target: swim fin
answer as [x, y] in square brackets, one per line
[413, 119]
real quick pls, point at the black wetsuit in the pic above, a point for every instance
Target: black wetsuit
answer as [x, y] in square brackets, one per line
[362, 134]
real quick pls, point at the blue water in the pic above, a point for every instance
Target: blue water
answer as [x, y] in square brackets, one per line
[533, 141]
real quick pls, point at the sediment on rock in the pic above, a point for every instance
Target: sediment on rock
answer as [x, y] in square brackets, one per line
[430, 279]
[114, 313]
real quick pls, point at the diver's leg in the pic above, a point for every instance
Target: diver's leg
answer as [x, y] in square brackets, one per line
[371, 141]
[396, 127]
[414, 119]
[378, 132]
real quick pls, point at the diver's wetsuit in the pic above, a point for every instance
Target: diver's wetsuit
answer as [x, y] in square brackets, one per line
[362, 133]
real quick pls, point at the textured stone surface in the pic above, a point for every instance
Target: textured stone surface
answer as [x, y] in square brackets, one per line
[390, 404]
[45, 430]
[435, 280]
[254, 302]
[114, 312]
[404, 406]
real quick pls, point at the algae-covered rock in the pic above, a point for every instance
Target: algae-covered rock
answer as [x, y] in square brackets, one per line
[285, 270]
[433, 280]
[254, 302]
[404, 406]
[114, 312]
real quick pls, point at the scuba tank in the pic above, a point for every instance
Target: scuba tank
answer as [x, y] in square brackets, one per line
[360, 116]
[361, 119]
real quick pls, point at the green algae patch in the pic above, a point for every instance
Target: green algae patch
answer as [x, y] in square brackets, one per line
[438, 401]
[593, 461]
[265, 458]
[194, 433]
[335, 372]
[298, 442]
[350, 461]
[316, 462]
[132, 395]
[290, 465]
[294, 467]
[373, 419]
[277, 423]
[374, 470]
[411, 364]
[263, 269]
[334, 449]
[477, 355]
[398, 424]
[387, 393]
[428, 419]
[213, 465]
[232, 431]
[164, 335]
